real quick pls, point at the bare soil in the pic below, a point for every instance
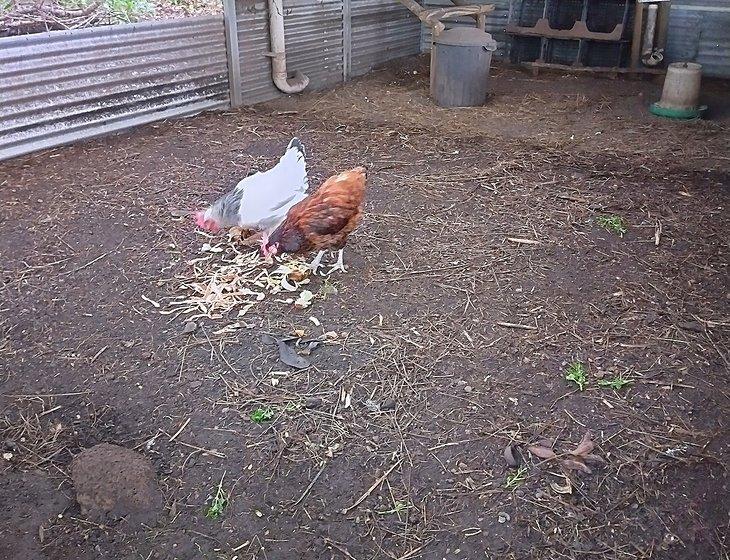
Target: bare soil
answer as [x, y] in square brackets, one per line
[480, 273]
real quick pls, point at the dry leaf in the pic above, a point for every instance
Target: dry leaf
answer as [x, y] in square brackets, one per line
[585, 446]
[288, 356]
[235, 233]
[509, 456]
[576, 465]
[542, 452]
[298, 275]
[590, 458]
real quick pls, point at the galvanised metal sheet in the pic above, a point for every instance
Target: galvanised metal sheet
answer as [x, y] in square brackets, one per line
[496, 24]
[381, 30]
[699, 31]
[313, 32]
[63, 86]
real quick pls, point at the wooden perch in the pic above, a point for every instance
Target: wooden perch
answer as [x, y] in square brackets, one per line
[432, 17]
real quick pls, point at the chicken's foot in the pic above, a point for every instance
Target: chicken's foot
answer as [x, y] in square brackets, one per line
[340, 264]
[317, 262]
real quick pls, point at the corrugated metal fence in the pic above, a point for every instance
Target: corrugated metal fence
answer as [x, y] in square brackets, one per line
[699, 31]
[62, 86]
[328, 40]
[313, 32]
[381, 30]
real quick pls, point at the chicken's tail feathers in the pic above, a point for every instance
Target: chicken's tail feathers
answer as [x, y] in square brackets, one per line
[293, 166]
[297, 145]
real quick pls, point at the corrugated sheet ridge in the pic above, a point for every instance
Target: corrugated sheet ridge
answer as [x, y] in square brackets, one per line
[73, 84]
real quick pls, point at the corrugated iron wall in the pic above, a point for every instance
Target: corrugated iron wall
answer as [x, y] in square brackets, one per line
[62, 86]
[313, 31]
[328, 40]
[381, 30]
[699, 31]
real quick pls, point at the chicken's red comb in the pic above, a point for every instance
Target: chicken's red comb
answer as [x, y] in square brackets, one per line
[199, 218]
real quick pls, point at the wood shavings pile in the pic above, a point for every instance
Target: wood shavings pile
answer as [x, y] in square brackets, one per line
[225, 280]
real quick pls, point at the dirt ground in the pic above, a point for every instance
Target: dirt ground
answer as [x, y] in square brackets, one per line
[482, 271]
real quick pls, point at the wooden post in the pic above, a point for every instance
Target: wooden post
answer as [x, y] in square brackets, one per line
[232, 53]
[636, 38]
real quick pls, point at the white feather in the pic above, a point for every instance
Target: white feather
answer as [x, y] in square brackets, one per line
[268, 196]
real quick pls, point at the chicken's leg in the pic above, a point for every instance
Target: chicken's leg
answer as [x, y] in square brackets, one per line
[316, 263]
[340, 265]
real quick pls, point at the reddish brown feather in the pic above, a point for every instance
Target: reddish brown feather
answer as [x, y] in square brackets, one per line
[324, 219]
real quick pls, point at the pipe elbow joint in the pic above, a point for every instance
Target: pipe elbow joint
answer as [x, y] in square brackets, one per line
[295, 84]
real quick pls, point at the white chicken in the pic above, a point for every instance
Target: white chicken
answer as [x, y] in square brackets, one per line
[261, 201]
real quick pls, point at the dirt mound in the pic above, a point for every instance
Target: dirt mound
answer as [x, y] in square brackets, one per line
[113, 482]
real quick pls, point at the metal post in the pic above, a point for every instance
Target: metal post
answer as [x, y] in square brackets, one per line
[232, 53]
[663, 25]
[346, 40]
[543, 40]
[581, 42]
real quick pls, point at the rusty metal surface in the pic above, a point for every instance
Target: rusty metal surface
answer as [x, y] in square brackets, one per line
[63, 86]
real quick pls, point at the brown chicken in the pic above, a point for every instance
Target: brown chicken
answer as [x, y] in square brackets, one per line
[322, 221]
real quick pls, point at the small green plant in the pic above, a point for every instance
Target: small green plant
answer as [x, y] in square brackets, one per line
[128, 11]
[293, 407]
[398, 507]
[614, 224]
[261, 415]
[617, 383]
[328, 289]
[576, 373]
[218, 503]
[514, 479]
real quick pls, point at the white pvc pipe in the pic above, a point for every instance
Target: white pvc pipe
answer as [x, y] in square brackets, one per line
[278, 52]
[650, 30]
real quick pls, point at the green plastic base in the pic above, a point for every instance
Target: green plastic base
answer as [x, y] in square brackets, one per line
[658, 110]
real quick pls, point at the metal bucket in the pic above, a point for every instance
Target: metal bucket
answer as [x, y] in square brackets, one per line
[460, 61]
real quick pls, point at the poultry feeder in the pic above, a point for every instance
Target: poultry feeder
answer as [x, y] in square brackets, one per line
[681, 93]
